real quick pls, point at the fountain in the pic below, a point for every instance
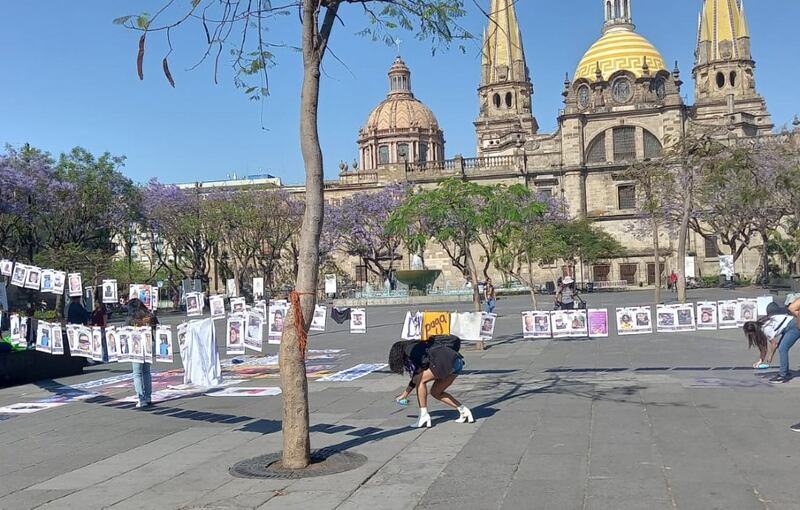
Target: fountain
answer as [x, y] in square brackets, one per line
[418, 279]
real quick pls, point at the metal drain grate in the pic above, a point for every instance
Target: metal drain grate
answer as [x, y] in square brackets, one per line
[324, 462]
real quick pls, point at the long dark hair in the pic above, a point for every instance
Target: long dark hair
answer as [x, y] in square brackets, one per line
[755, 336]
[138, 314]
[398, 356]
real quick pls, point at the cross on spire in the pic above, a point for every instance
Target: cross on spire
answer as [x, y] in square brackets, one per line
[398, 42]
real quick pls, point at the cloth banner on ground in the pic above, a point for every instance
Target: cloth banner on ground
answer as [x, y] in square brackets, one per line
[28, 408]
[706, 315]
[412, 326]
[201, 364]
[634, 320]
[466, 326]
[353, 373]
[254, 331]
[318, 320]
[277, 316]
[569, 323]
[487, 325]
[727, 311]
[598, 322]
[217, 306]
[358, 320]
[746, 310]
[340, 315]
[75, 285]
[163, 344]
[435, 323]
[251, 391]
[536, 324]
[235, 334]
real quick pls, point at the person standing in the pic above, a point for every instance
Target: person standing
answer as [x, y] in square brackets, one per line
[790, 337]
[139, 316]
[437, 361]
[673, 281]
[99, 318]
[490, 295]
[565, 297]
[76, 313]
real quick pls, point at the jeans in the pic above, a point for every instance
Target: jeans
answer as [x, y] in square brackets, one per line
[790, 336]
[142, 382]
[490, 303]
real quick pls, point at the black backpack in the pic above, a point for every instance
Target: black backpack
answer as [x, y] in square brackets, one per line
[450, 341]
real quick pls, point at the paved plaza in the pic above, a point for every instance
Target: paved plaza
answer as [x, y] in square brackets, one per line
[662, 421]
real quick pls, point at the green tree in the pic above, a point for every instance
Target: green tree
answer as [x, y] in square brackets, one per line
[247, 24]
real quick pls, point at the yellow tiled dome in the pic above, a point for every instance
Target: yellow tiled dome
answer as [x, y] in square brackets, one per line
[620, 48]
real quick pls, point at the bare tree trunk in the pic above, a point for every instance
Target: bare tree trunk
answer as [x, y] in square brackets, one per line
[683, 234]
[530, 284]
[296, 439]
[473, 275]
[657, 293]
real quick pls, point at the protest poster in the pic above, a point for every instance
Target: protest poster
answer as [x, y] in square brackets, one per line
[124, 343]
[466, 325]
[43, 337]
[13, 326]
[254, 331]
[47, 281]
[536, 324]
[353, 373]
[27, 408]
[746, 311]
[19, 275]
[261, 306]
[111, 343]
[75, 285]
[358, 320]
[96, 352]
[598, 322]
[488, 321]
[634, 320]
[154, 298]
[235, 334]
[330, 284]
[707, 315]
[318, 320]
[6, 267]
[180, 331]
[33, 280]
[137, 345]
[728, 311]
[277, 314]
[666, 319]
[258, 288]
[194, 304]
[247, 391]
[230, 286]
[433, 323]
[57, 338]
[238, 305]
[164, 344]
[59, 280]
[569, 323]
[685, 317]
[217, 306]
[412, 326]
[110, 292]
[147, 344]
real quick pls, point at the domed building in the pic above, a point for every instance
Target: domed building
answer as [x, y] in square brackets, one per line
[401, 128]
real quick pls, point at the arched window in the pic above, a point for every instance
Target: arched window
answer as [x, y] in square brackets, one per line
[383, 155]
[617, 9]
[624, 143]
[509, 99]
[652, 145]
[609, 14]
[496, 100]
[402, 152]
[720, 80]
[626, 9]
[596, 153]
[732, 79]
[423, 152]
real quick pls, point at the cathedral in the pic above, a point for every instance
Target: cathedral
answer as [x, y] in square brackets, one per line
[622, 104]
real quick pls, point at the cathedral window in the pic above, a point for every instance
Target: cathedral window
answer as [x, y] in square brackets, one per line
[652, 146]
[496, 100]
[732, 79]
[383, 155]
[720, 80]
[423, 152]
[402, 152]
[597, 150]
[712, 251]
[509, 99]
[624, 143]
[626, 195]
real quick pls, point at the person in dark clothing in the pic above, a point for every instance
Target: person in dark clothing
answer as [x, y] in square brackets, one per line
[99, 318]
[76, 313]
[437, 361]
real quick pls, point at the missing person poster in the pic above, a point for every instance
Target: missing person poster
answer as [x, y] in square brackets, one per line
[707, 315]
[598, 323]
[666, 319]
[217, 306]
[235, 334]
[487, 325]
[569, 323]
[727, 311]
[109, 295]
[636, 320]
[254, 331]
[318, 320]
[358, 320]
[536, 324]
[277, 316]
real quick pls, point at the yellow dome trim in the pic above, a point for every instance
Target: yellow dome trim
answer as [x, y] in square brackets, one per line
[617, 50]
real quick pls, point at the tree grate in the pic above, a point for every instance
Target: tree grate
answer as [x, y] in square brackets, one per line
[325, 461]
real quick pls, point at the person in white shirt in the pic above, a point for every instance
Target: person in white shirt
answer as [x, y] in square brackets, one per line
[765, 334]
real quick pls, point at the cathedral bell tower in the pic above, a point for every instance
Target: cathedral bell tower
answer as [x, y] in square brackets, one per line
[506, 120]
[724, 72]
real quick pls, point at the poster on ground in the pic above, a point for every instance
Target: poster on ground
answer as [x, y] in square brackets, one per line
[488, 321]
[358, 320]
[706, 315]
[238, 305]
[598, 322]
[536, 324]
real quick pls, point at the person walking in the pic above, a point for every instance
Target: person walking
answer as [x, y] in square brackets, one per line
[437, 361]
[99, 318]
[673, 281]
[490, 295]
[565, 297]
[139, 316]
[790, 337]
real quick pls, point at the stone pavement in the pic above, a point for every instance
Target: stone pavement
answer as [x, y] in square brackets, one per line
[640, 422]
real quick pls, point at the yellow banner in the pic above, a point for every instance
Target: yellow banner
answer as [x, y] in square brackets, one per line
[435, 323]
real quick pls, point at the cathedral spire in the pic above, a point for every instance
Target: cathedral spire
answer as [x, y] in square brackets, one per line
[503, 57]
[723, 33]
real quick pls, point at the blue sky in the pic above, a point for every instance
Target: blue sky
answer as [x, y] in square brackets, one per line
[70, 79]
